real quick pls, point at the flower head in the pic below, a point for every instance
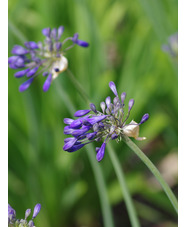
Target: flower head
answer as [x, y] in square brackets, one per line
[45, 58]
[23, 222]
[110, 123]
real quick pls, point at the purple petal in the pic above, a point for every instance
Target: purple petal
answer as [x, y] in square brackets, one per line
[101, 152]
[68, 130]
[69, 144]
[60, 31]
[76, 124]
[103, 106]
[21, 73]
[93, 107]
[54, 33]
[114, 136]
[123, 96]
[108, 101]
[81, 131]
[76, 147]
[31, 223]
[12, 59]
[75, 37]
[81, 113]
[32, 72]
[58, 46]
[144, 118]
[68, 121]
[113, 88]
[47, 83]
[31, 45]
[37, 209]
[19, 50]
[131, 103]
[82, 43]
[46, 32]
[91, 135]
[96, 119]
[27, 213]
[25, 85]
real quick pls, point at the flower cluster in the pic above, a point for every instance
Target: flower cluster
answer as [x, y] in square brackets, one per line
[12, 221]
[46, 58]
[172, 46]
[108, 124]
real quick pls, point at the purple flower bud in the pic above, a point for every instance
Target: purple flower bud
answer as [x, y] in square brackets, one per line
[96, 119]
[103, 106]
[32, 72]
[114, 136]
[69, 144]
[75, 37]
[47, 83]
[81, 113]
[12, 59]
[31, 223]
[113, 88]
[25, 85]
[19, 50]
[76, 147]
[81, 131]
[101, 152]
[60, 31]
[31, 45]
[123, 96]
[76, 124]
[144, 118]
[46, 32]
[27, 213]
[93, 107]
[68, 121]
[68, 130]
[116, 100]
[21, 73]
[54, 33]
[91, 135]
[108, 101]
[82, 43]
[58, 46]
[37, 209]
[131, 103]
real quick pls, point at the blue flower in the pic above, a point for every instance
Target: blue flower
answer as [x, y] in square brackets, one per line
[110, 123]
[46, 58]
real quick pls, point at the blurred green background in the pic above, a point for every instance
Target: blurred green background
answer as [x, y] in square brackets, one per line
[125, 39]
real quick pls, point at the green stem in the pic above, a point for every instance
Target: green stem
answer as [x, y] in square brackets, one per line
[78, 86]
[16, 32]
[126, 194]
[154, 171]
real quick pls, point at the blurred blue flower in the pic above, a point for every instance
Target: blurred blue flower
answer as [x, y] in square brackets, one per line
[46, 58]
[172, 46]
[12, 221]
[108, 124]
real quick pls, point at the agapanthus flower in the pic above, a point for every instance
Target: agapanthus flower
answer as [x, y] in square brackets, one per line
[45, 58]
[108, 124]
[12, 221]
[172, 46]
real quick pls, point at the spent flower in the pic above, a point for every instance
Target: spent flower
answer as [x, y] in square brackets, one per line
[108, 124]
[13, 222]
[45, 58]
